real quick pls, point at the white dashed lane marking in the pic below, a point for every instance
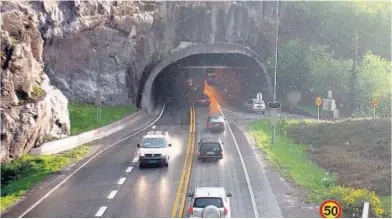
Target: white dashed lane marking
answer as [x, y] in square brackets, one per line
[112, 194]
[135, 159]
[121, 181]
[101, 211]
[129, 169]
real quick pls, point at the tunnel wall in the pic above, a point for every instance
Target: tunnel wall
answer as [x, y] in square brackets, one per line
[203, 48]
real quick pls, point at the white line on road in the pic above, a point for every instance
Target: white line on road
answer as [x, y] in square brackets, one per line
[101, 211]
[252, 197]
[129, 169]
[121, 181]
[112, 194]
[135, 160]
[85, 163]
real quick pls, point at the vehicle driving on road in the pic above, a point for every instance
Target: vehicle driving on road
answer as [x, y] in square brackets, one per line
[154, 149]
[210, 148]
[202, 100]
[255, 105]
[211, 202]
[216, 124]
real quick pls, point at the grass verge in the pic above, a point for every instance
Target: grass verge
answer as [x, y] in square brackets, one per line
[313, 109]
[291, 159]
[23, 173]
[386, 203]
[84, 116]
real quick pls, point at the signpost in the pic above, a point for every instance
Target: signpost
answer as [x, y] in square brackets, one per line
[318, 103]
[375, 102]
[260, 98]
[98, 102]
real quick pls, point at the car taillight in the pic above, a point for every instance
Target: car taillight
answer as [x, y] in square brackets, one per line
[198, 154]
[222, 153]
[190, 210]
[225, 211]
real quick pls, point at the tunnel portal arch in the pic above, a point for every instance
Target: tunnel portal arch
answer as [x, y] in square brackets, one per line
[195, 49]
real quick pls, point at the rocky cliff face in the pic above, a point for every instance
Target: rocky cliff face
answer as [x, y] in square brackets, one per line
[31, 109]
[92, 45]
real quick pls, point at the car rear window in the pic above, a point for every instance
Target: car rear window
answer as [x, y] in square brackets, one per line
[216, 119]
[210, 147]
[204, 202]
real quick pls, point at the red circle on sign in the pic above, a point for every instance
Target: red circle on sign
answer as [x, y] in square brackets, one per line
[329, 201]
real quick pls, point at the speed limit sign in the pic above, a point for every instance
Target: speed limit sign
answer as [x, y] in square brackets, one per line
[330, 209]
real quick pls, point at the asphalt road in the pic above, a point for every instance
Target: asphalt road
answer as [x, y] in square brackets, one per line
[229, 173]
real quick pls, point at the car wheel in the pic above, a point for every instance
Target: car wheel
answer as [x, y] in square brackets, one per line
[141, 165]
[167, 164]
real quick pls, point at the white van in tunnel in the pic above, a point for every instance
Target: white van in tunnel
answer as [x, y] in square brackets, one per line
[255, 105]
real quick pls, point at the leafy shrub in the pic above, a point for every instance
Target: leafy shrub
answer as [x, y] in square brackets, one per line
[352, 201]
[37, 93]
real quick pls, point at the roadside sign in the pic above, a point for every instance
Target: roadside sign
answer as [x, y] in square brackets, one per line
[331, 209]
[259, 96]
[318, 101]
[329, 94]
[98, 101]
[375, 102]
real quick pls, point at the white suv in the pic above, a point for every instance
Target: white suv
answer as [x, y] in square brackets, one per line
[255, 105]
[209, 202]
[154, 149]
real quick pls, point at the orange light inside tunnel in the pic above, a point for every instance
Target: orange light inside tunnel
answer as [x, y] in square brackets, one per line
[215, 98]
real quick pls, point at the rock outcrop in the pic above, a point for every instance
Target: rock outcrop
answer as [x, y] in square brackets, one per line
[31, 109]
[93, 45]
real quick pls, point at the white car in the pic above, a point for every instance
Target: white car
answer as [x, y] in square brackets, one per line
[255, 105]
[154, 149]
[209, 202]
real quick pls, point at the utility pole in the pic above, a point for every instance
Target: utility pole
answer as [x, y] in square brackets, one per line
[276, 63]
[353, 81]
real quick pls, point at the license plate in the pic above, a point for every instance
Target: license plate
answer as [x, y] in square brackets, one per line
[152, 161]
[209, 153]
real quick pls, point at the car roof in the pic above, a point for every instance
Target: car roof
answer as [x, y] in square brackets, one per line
[210, 139]
[209, 192]
[155, 134]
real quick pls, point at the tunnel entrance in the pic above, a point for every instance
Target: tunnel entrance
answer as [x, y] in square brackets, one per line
[179, 78]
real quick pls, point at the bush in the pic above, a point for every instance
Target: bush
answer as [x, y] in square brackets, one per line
[352, 201]
[37, 93]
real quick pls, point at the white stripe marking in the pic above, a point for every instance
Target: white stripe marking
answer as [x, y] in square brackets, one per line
[84, 164]
[121, 181]
[101, 211]
[135, 159]
[129, 169]
[252, 197]
[112, 194]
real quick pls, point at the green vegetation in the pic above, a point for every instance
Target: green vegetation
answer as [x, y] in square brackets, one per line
[21, 174]
[37, 93]
[84, 116]
[386, 203]
[294, 162]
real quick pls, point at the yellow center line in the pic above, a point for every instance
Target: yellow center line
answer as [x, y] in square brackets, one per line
[184, 170]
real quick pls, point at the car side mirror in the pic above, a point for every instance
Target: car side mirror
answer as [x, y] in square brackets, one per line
[189, 195]
[138, 145]
[170, 145]
[229, 195]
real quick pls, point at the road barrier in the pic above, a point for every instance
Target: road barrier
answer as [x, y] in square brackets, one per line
[71, 142]
[365, 210]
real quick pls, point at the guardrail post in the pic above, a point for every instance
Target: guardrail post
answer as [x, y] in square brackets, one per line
[365, 210]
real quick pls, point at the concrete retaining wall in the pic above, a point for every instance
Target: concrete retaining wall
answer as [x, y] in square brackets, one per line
[71, 142]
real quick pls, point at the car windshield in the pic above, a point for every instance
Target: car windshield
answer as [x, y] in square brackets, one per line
[154, 143]
[210, 147]
[216, 119]
[204, 202]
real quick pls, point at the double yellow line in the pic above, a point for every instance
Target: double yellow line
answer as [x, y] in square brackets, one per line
[179, 203]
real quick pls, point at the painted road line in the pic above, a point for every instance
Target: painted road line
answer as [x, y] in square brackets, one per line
[252, 197]
[129, 169]
[189, 171]
[121, 181]
[85, 163]
[135, 160]
[101, 211]
[112, 194]
[180, 184]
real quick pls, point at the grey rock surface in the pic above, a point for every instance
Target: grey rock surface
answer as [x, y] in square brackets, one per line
[31, 109]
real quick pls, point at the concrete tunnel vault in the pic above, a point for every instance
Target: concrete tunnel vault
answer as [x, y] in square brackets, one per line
[147, 101]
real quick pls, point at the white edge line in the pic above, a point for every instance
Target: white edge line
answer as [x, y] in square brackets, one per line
[101, 211]
[85, 163]
[112, 194]
[135, 159]
[121, 181]
[252, 197]
[129, 169]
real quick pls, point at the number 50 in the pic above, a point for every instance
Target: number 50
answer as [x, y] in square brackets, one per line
[328, 210]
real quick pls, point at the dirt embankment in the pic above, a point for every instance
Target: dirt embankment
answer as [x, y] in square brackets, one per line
[358, 151]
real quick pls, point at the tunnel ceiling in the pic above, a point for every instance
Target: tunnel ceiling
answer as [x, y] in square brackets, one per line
[219, 59]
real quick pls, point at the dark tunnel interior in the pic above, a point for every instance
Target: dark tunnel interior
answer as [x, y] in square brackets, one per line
[237, 75]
